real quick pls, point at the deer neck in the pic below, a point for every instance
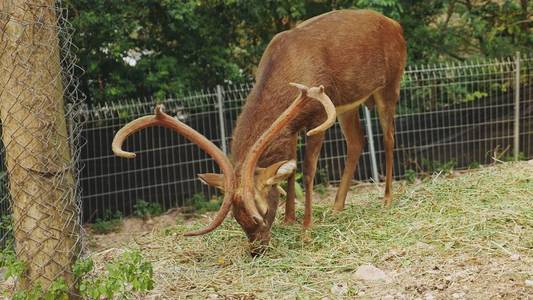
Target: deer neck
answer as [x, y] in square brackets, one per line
[259, 112]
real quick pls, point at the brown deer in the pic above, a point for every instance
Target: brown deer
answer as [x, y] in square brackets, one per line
[350, 57]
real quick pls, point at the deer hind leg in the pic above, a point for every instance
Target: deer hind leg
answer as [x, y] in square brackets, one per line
[386, 100]
[312, 151]
[353, 133]
[290, 214]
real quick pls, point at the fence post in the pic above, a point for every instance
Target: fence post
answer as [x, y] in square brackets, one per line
[220, 99]
[516, 147]
[371, 148]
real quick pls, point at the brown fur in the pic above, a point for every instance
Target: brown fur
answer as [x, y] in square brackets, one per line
[356, 55]
[351, 52]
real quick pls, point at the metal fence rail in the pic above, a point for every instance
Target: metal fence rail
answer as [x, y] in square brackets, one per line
[456, 115]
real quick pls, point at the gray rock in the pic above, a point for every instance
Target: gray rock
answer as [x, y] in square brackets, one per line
[339, 289]
[371, 273]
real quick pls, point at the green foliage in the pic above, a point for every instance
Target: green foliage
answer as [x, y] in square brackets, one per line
[58, 290]
[16, 268]
[126, 274]
[8, 260]
[160, 48]
[410, 175]
[474, 165]
[322, 176]
[510, 157]
[110, 222]
[145, 209]
[200, 204]
[6, 228]
[434, 166]
[321, 189]
[82, 267]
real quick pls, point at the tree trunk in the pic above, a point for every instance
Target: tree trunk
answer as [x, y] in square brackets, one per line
[34, 132]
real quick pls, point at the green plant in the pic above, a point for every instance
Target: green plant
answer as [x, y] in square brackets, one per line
[321, 189]
[435, 166]
[145, 209]
[474, 165]
[6, 229]
[8, 260]
[126, 274]
[200, 204]
[510, 157]
[322, 176]
[58, 290]
[15, 268]
[410, 175]
[109, 222]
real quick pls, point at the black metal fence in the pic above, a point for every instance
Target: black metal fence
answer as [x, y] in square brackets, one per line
[456, 115]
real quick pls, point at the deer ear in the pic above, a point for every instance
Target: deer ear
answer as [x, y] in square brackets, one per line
[278, 172]
[212, 179]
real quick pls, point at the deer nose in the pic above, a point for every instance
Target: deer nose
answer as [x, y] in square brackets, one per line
[258, 220]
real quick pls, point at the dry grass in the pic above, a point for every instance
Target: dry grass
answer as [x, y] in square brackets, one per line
[469, 236]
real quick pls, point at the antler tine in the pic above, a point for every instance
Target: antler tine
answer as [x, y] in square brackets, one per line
[318, 94]
[162, 119]
[260, 145]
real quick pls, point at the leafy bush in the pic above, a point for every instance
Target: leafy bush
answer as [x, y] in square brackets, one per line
[124, 275]
[200, 204]
[145, 209]
[108, 223]
[127, 273]
[410, 175]
[435, 166]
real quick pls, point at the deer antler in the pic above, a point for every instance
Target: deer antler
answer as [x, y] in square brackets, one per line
[248, 167]
[162, 119]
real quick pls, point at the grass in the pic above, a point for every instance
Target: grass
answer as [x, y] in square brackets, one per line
[468, 235]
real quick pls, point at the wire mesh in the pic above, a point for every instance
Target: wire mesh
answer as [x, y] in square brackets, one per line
[40, 141]
[454, 115]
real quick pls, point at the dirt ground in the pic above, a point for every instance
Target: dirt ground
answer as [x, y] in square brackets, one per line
[485, 256]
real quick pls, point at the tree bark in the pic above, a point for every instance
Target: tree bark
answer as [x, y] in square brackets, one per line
[34, 132]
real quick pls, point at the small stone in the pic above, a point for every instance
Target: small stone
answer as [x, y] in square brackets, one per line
[422, 245]
[388, 297]
[212, 297]
[371, 273]
[154, 297]
[515, 257]
[529, 282]
[429, 296]
[517, 229]
[10, 282]
[339, 289]
[458, 295]
[400, 296]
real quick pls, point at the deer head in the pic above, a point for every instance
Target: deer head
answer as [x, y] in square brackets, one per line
[252, 192]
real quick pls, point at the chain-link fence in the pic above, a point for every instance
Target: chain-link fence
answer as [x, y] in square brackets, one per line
[39, 103]
[459, 116]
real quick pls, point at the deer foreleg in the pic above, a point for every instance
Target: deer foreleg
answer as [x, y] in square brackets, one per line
[386, 104]
[312, 151]
[290, 214]
[351, 128]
